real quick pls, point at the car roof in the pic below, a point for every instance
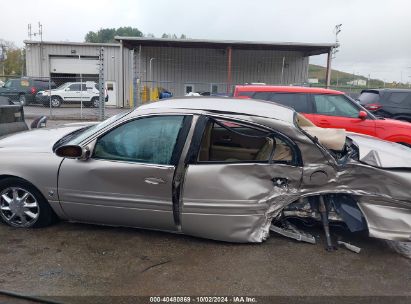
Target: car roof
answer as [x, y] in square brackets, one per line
[237, 106]
[387, 90]
[285, 89]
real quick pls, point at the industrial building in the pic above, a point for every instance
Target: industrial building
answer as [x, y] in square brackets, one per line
[135, 67]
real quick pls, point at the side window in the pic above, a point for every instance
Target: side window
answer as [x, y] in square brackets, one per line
[335, 105]
[74, 87]
[262, 95]
[397, 97]
[13, 84]
[145, 140]
[246, 93]
[83, 87]
[225, 141]
[298, 102]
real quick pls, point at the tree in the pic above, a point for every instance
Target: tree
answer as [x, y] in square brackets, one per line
[106, 35]
[173, 36]
[15, 62]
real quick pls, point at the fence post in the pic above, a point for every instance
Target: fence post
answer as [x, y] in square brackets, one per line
[101, 85]
[50, 106]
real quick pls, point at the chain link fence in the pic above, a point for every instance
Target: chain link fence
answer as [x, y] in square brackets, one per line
[59, 98]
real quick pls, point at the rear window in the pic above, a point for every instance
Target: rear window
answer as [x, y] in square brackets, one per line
[245, 93]
[369, 97]
[298, 102]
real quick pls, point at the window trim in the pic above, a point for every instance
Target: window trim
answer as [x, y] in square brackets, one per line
[192, 155]
[176, 153]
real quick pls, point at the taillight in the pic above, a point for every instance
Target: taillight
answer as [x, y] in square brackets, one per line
[33, 90]
[373, 106]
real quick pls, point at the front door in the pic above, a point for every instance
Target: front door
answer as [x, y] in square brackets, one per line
[234, 180]
[336, 111]
[128, 180]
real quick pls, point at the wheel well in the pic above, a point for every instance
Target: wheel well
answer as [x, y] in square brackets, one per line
[3, 177]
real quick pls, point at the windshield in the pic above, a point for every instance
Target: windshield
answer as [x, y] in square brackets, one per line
[62, 86]
[93, 129]
[76, 137]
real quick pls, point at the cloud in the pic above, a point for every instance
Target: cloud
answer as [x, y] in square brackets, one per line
[374, 38]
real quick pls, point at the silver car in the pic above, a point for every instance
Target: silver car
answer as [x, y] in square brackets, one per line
[208, 167]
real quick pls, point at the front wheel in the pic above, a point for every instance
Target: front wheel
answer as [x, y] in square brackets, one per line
[55, 101]
[23, 206]
[23, 100]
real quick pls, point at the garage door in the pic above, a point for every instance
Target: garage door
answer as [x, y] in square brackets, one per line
[74, 66]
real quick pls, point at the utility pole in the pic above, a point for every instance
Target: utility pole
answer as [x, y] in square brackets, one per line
[332, 54]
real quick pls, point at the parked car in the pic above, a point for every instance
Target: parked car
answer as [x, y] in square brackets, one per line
[389, 103]
[71, 92]
[24, 89]
[330, 109]
[209, 168]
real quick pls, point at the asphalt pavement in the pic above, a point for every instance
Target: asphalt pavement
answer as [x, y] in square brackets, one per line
[70, 259]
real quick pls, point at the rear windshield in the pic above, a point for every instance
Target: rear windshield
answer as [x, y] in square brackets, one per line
[369, 97]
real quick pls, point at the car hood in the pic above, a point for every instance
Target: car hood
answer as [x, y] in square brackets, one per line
[39, 140]
[381, 153]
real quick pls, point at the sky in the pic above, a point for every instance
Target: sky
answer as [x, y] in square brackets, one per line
[375, 35]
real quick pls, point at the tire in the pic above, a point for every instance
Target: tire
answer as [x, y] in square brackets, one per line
[23, 206]
[56, 101]
[23, 100]
[403, 248]
[95, 102]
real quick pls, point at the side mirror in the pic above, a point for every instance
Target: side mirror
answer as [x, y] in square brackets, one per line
[362, 115]
[72, 151]
[67, 89]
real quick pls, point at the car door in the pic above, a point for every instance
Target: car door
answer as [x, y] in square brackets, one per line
[72, 93]
[235, 172]
[337, 111]
[128, 179]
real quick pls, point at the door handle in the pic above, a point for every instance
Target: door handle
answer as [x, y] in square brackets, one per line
[154, 180]
[324, 122]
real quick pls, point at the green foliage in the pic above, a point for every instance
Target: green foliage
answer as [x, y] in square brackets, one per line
[15, 63]
[173, 36]
[106, 35]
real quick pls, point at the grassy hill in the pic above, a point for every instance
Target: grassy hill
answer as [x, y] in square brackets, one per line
[317, 71]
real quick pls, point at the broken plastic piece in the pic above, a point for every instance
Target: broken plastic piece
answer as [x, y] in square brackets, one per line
[349, 246]
[292, 232]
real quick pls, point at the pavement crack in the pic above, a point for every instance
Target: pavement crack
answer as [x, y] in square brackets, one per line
[156, 265]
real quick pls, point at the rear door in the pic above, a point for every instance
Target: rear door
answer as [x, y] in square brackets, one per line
[235, 173]
[337, 111]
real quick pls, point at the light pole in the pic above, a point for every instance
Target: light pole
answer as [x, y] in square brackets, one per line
[151, 74]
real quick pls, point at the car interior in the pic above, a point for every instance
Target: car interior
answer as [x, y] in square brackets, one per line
[225, 141]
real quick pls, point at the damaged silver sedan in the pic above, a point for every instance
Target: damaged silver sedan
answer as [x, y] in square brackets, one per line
[208, 167]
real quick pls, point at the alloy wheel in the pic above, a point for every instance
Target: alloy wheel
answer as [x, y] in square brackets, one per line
[18, 207]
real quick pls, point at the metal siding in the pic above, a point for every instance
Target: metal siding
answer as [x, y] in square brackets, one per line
[174, 67]
[35, 68]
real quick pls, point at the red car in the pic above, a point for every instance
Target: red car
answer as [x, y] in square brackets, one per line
[330, 109]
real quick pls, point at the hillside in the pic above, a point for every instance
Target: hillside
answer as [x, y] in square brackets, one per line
[317, 71]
